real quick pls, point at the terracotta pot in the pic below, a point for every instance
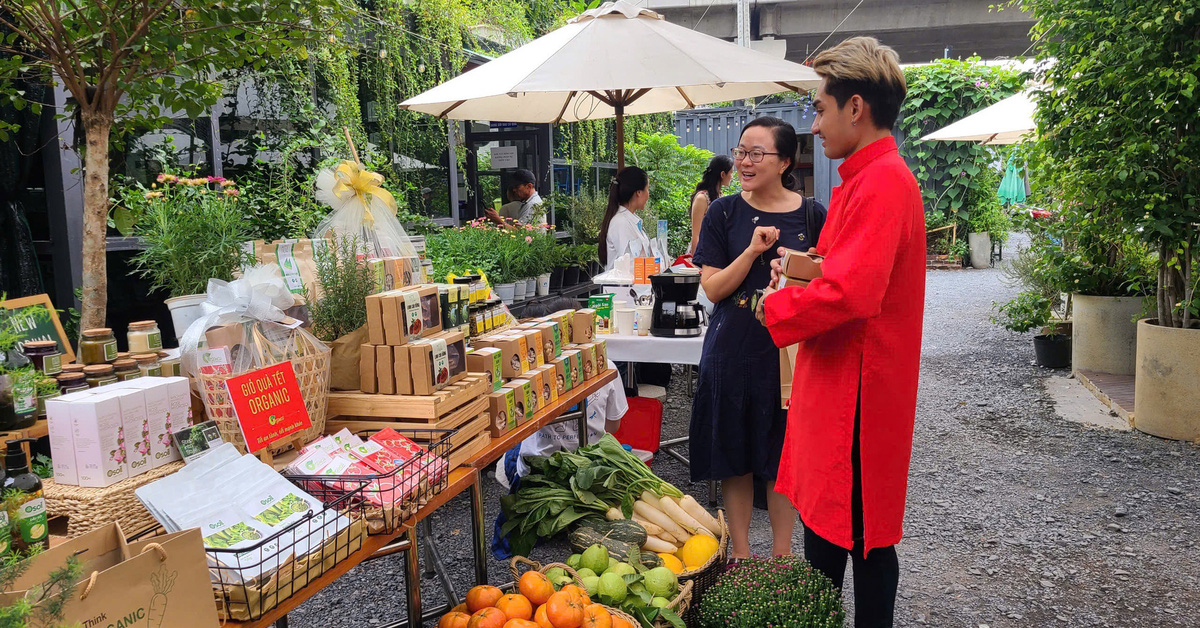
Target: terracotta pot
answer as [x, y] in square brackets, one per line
[1166, 396]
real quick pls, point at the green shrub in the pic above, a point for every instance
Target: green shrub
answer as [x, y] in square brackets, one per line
[785, 592]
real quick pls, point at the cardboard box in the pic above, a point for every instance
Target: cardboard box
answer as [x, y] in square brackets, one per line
[563, 380]
[601, 355]
[135, 427]
[375, 326]
[603, 305]
[549, 390]
[366, 369]
[512, 355]
[534, 353]
[502, 405]
[552, 340]
[99, 441]
[564, 318]
[524, 399]
[393, 318]
[437, 362]
[62, 436]
[402, 370]
[487, 360]
[385, 374]
[422, 311]
[574, 359]
[587, 353]
[536, 381]
[788, 282]
[583, 326]
[787, 367]
[162, 402]
[801, 265]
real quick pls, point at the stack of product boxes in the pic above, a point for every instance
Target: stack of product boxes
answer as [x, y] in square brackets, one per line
[101, 436]
[535, 362]
[799, 268]
[411, 349]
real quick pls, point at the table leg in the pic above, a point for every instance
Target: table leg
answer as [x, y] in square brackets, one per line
[687, 372]
[412, 578]
[478, 533]
[281, 622]
[434, 564]
[582, 425]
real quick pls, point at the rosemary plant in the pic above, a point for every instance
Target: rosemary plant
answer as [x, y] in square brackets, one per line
[345, 284]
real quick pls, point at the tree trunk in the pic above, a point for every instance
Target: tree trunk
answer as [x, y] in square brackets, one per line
[95, 220]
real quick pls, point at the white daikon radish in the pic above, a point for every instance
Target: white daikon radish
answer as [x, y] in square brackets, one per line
[651, 529]
[655, 544]
[614, 514]
[672, 510]
[658, 518]
[693, 508]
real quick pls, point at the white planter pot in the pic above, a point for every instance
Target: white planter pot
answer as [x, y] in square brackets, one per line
[519, 291]
[185, 310]
[543, 285]
[505, 291]
[1104, 334]
[1166, 398]
[530, 287]
[981, 249]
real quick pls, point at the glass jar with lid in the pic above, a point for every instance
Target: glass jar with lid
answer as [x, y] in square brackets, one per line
[45, 356]
[99, 375]
[170, 365]
[149, 364]
[98, 346]
[71, 382]
[144, 337]
[126, 369]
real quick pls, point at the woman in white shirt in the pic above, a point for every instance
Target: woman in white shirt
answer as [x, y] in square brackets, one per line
[622, 230]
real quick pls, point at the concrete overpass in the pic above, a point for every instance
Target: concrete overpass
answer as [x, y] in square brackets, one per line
[920, 30]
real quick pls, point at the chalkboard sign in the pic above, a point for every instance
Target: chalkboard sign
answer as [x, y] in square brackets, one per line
[32, 324]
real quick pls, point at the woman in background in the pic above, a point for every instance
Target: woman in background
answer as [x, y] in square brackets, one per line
[716, 177]
[738, 422]
[621, 229]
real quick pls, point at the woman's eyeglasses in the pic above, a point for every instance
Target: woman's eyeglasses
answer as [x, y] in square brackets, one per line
[756, 155]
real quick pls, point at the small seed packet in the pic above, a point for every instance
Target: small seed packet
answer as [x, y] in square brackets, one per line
[196, 440]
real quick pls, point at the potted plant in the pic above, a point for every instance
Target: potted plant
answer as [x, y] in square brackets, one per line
[191, 230]
[1029, 311]
[988, 223]
[339, 318]
[779, 591]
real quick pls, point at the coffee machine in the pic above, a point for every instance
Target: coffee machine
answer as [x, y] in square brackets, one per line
[677, 313]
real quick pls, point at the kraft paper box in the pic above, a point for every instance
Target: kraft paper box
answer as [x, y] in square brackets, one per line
[402, 370]
[437, 362]
[562, 368]
[503, 407]
[392, 303]
[366, 370]
[787, 367]
[583, 326]
[422, 311]
[574, 359]
[487, 360]
[801, 265]
[536, 381]
[512, 355]
[787, 282]
[535, 355]
[564, 318]
[386, 273]
[549, 387]
[552, 340]
[168, 404]
[524, 399]
[385, 376]
[587, 354]
[601, 355]
[375, 332]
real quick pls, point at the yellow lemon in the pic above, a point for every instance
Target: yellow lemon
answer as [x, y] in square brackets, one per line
[697, 550]
[670, 561]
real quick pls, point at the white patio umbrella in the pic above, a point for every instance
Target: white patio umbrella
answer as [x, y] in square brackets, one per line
[1009, 121]
[615, 60]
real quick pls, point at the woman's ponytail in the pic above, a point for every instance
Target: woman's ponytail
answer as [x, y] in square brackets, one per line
[622, 188]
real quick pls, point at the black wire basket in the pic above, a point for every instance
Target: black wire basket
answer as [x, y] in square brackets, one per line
[249, 581]
[390, 498]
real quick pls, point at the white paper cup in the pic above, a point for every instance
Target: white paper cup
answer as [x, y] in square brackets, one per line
[623, 318]
[642, 318]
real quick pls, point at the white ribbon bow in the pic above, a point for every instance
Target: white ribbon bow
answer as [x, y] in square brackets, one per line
[259, 294]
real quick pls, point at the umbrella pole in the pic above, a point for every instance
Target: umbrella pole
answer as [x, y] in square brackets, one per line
[620, 137]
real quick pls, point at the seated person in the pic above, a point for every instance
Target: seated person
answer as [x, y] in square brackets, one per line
[605, 407]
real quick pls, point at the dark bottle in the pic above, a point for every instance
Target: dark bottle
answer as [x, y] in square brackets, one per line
[29, 529]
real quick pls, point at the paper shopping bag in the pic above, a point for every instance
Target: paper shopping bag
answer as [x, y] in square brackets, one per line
[787, 367]
[161, 582]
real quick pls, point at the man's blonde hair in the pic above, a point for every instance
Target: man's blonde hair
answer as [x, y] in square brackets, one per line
[863, 66]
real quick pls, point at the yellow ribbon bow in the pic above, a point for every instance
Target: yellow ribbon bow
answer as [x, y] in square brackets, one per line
[352, 180]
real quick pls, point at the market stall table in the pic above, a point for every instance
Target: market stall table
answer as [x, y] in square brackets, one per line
[467, 477]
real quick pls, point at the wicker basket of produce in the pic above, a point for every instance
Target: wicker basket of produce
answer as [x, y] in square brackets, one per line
[529, 586]
[705, 575]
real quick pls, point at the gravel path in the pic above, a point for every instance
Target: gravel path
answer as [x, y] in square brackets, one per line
[1016, 517]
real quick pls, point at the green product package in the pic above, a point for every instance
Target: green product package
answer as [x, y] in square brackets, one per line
[603, 304]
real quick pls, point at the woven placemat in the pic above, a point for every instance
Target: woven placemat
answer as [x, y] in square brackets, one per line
[89, 508]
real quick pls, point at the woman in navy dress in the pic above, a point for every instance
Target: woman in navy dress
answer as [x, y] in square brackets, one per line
[737, 420]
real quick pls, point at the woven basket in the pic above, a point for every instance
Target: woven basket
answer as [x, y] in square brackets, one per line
[89, 508]
[679, 605]
[705, 576]
[310, 359]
